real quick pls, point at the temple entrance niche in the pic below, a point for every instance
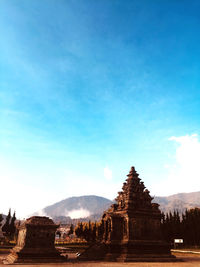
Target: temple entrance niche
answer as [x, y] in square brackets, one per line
[117, 228]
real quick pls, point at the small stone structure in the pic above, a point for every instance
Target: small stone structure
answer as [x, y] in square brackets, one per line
[131, 227]
[35, 242]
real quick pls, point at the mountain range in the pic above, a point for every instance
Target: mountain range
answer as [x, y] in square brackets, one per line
[180, 202]
[84, 208]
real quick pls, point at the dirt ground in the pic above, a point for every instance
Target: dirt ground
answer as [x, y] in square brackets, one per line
[188, 260]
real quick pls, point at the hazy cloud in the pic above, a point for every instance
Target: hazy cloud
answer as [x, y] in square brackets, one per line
[80, 213]
[40, 213]
[107, 173]
[183, 175]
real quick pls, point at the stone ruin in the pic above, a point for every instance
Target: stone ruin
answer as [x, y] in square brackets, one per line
[130, 231]
[131, 228]
[35, 242]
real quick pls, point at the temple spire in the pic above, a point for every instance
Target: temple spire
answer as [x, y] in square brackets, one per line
[133, 195]
[132, 172]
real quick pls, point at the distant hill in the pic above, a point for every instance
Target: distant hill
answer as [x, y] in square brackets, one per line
[180, 202]
[2, 222]
[84, 208]
[4, 216]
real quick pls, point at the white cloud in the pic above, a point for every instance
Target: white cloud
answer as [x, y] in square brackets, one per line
[188, 152]
[18, 193]
[184, 174]
[107, 173]
[80, 213]
[40, 213]
[28, 190]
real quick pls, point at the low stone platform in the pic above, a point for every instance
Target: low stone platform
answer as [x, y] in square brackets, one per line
[35, 243]
[129, 252]
[16, 257]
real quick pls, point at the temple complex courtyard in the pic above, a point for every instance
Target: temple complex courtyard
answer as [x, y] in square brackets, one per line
[129, 235]
[188, 260]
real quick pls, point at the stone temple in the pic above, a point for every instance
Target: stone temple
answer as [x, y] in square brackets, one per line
[131, 228]
[35, 242]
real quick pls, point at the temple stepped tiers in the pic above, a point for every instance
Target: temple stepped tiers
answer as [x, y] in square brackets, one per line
[35, 242]
[130, 229]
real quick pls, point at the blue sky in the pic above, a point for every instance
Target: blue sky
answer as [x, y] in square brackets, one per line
[94, 87]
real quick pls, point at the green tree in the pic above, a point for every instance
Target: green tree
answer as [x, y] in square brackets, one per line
[1, 219]
[6, 226]
[94, 232]
[86, 234]
[79, 230]
[71, 230]
[86, 231]
[185, 226]
[12, 226]
[171, 226]
[100, 231]
[190, 227]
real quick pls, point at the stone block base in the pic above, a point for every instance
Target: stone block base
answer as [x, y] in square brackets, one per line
[135, 251]
[33, 256]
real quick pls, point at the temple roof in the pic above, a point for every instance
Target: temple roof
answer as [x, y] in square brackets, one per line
[133, 194]
[39, 220]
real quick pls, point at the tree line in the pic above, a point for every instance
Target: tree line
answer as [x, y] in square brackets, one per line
[87, 230]
[174, 225]
[184, 226]
[9, 227]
